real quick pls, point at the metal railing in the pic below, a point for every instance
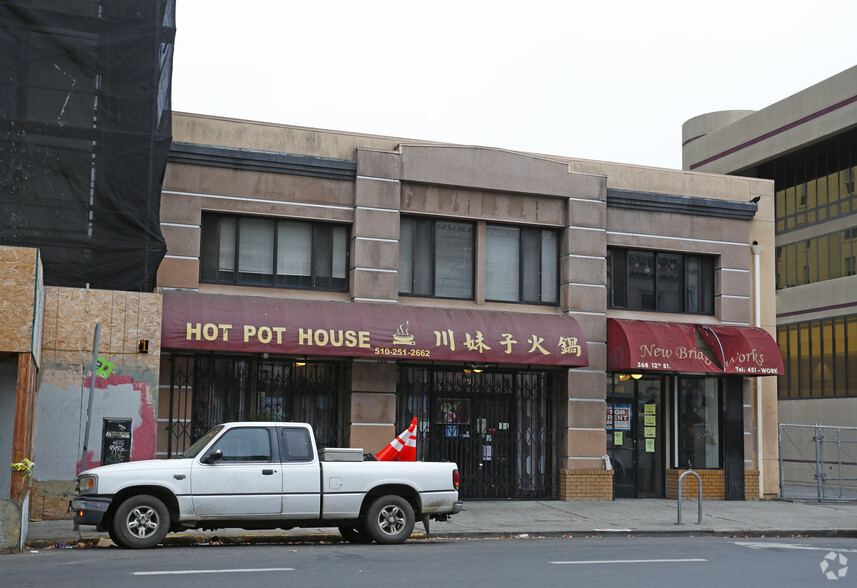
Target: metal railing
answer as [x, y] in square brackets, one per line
[818, 462]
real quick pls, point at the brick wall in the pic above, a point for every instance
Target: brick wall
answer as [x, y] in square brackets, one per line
[586, 485]
[713, 484]
[751, 484]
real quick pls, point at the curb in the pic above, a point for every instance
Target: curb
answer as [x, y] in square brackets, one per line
[187, 540]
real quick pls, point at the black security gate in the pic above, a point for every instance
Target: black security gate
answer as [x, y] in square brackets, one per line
[497, 426]
[206, 390]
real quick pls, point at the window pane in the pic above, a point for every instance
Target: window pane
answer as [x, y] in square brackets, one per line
[699, 423]
[802, 268]
[815, 365]
[706, 285]
[691, 268]
[550, 266]
[641, 280]
[256, 251]
[294, 254]
[782, 381]
[209, 248]
[793, 367]
[454, 259]
[227, 245]
[340, 258]
[245, 445]
[804, 373]
[297, 445]
[840, 355]
[617, 289]
[835, 256]
[851, 334]
[823, 258]
[812, 261]
[827, 358]
[501, 260]
[669, 282]
[531, 264]
[322, 256]
[406, 255]
[423, 247]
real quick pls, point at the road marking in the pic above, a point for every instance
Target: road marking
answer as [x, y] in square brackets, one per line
[760, 545]
[233, 571]
[628, 561]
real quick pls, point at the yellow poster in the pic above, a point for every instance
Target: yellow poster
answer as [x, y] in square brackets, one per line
[649, 432]
[650, 445]
[649, 420]
[617, 437]
[650, 409]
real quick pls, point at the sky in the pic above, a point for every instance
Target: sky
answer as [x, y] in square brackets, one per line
[609, 80]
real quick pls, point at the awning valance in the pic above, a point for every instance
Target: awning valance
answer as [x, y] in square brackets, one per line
[381, 331]
[634, 345]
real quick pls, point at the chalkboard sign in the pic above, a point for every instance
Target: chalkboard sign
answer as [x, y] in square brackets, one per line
[116, 441]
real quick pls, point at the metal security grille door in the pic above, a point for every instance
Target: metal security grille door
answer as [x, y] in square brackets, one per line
[497, 426]
[206, 390]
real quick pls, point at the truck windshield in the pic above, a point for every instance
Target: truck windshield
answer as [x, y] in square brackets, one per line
[202, 442]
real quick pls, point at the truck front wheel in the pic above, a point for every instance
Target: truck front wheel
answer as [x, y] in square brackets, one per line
[140, 522]
[390, 519]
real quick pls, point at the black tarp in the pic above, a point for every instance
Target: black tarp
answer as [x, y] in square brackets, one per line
[85, 129]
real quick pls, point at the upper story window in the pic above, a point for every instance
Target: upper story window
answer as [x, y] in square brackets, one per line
[821, 258]
[250, 251]
[521, 264]
[660, 281]
[436, 258]
[814, 184]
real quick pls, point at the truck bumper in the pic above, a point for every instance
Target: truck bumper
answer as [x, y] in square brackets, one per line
[457, 507]
[89, 510]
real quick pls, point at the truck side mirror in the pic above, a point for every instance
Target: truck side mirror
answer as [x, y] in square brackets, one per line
[212, 456]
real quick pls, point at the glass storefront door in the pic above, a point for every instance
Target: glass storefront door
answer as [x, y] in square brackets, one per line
[636, 435]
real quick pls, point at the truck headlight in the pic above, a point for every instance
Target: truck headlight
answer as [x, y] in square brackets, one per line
[87, 484]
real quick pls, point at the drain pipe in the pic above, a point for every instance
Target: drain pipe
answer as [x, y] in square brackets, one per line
[757, 313]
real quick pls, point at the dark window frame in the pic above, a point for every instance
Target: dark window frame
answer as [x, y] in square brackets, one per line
[431, 291]
[618, 280]
[540, 232]
[210, 257]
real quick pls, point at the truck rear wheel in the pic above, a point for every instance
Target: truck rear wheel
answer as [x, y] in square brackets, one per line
[390, 519]
[140, 522]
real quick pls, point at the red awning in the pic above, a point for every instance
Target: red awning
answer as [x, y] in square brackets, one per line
[744, 350]
[649, 345]
[380, 331]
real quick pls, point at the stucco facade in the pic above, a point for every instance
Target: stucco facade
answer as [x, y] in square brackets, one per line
[369, 183]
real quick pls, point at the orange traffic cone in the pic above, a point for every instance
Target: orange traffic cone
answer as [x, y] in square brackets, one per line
[393, 449]
[409, 451]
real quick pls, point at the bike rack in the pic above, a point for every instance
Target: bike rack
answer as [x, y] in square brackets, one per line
[698, 495]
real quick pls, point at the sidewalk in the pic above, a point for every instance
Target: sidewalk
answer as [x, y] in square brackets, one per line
[752, 518]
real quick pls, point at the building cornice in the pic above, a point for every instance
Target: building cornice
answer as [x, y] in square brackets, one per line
[262, 161]
[655, 202]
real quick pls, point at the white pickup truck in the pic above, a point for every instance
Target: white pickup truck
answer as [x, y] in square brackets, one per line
[254, 475]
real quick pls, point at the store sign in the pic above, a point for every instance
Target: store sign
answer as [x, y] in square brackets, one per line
[619, 417]
[650, 345]
[681, 347]
[385, 332]
[749, 351]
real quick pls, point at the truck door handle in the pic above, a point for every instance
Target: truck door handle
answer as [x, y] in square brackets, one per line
[267, 472]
